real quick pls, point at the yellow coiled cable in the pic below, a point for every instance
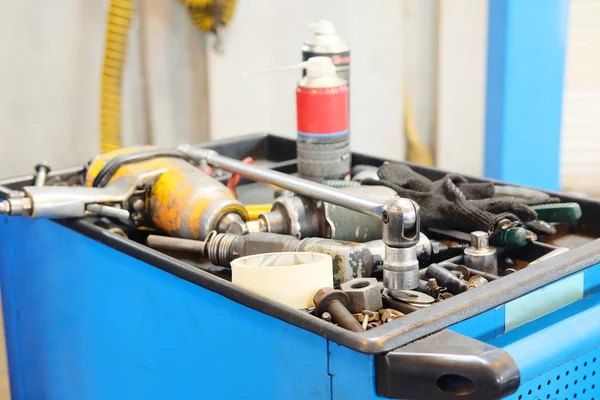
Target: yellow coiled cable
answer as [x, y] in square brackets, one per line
[117, 29]
[206, 15]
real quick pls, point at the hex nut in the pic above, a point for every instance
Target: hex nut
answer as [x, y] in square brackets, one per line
[364, 294]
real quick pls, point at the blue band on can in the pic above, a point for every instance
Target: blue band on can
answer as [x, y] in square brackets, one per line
[323, 135]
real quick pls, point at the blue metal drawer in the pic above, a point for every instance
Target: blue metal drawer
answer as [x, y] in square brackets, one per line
[557, 353]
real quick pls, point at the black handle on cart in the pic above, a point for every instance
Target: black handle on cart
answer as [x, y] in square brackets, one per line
[446, 365]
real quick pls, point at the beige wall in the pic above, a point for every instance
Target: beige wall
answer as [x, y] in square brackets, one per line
[50, 66]
[269, 33]
[177, 89]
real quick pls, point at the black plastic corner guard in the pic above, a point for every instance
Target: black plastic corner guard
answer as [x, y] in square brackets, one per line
[446, 365]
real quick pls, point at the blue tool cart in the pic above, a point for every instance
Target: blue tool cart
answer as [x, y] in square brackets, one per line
[90, 314]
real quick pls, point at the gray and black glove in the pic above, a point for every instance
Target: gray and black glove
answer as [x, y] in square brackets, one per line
[454, 203]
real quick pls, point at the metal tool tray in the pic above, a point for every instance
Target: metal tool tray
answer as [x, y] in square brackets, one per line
[279, 153]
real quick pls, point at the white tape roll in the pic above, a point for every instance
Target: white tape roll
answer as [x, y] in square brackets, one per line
[289, 278]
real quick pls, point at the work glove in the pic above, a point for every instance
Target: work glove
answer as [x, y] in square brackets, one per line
[454, 203]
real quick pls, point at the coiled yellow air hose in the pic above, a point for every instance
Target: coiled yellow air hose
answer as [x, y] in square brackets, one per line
[206, 15]
[117, 29]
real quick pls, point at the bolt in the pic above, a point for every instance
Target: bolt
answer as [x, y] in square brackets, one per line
[369, 315]
[365, 322]
[463, 270]
[118, 231]
[326, 316]
[389, 314]
[446, 278]
[41, 174]
[432, 288]
[137, 218]
[458, 274]
[138, 205]
[445, 295]
[375, 324]
[335, 303]
[476, 281]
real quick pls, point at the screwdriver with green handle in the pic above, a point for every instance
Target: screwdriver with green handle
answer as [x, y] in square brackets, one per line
[555, 212]
[549, 212]
[558, 212]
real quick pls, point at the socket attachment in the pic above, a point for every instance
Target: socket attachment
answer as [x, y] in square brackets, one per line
[480, 255]
[401, 236]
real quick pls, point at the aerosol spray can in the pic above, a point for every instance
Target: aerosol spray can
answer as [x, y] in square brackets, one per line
[326, 156]
[326, 42]
[322, 117]
[323, 143]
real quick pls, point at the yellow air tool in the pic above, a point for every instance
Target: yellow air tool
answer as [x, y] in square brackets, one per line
[183, 201]
[148, 187]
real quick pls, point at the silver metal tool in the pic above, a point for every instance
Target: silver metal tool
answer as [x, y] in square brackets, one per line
[75, 201]
[301, 217]
[352, 260]
[466, 272]
[400, 263]
[480, 256]
[297, 185]
[428, 248]
[400, 216]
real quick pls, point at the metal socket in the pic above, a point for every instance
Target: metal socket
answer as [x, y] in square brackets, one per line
[400, 268]
[479, 255]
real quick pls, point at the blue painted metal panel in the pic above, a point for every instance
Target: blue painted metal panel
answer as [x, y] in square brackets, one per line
[352, 373]
[526, 52]
[484, 326]
[84, 321]
[541, 349]
[549, 342]
[578, 379]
